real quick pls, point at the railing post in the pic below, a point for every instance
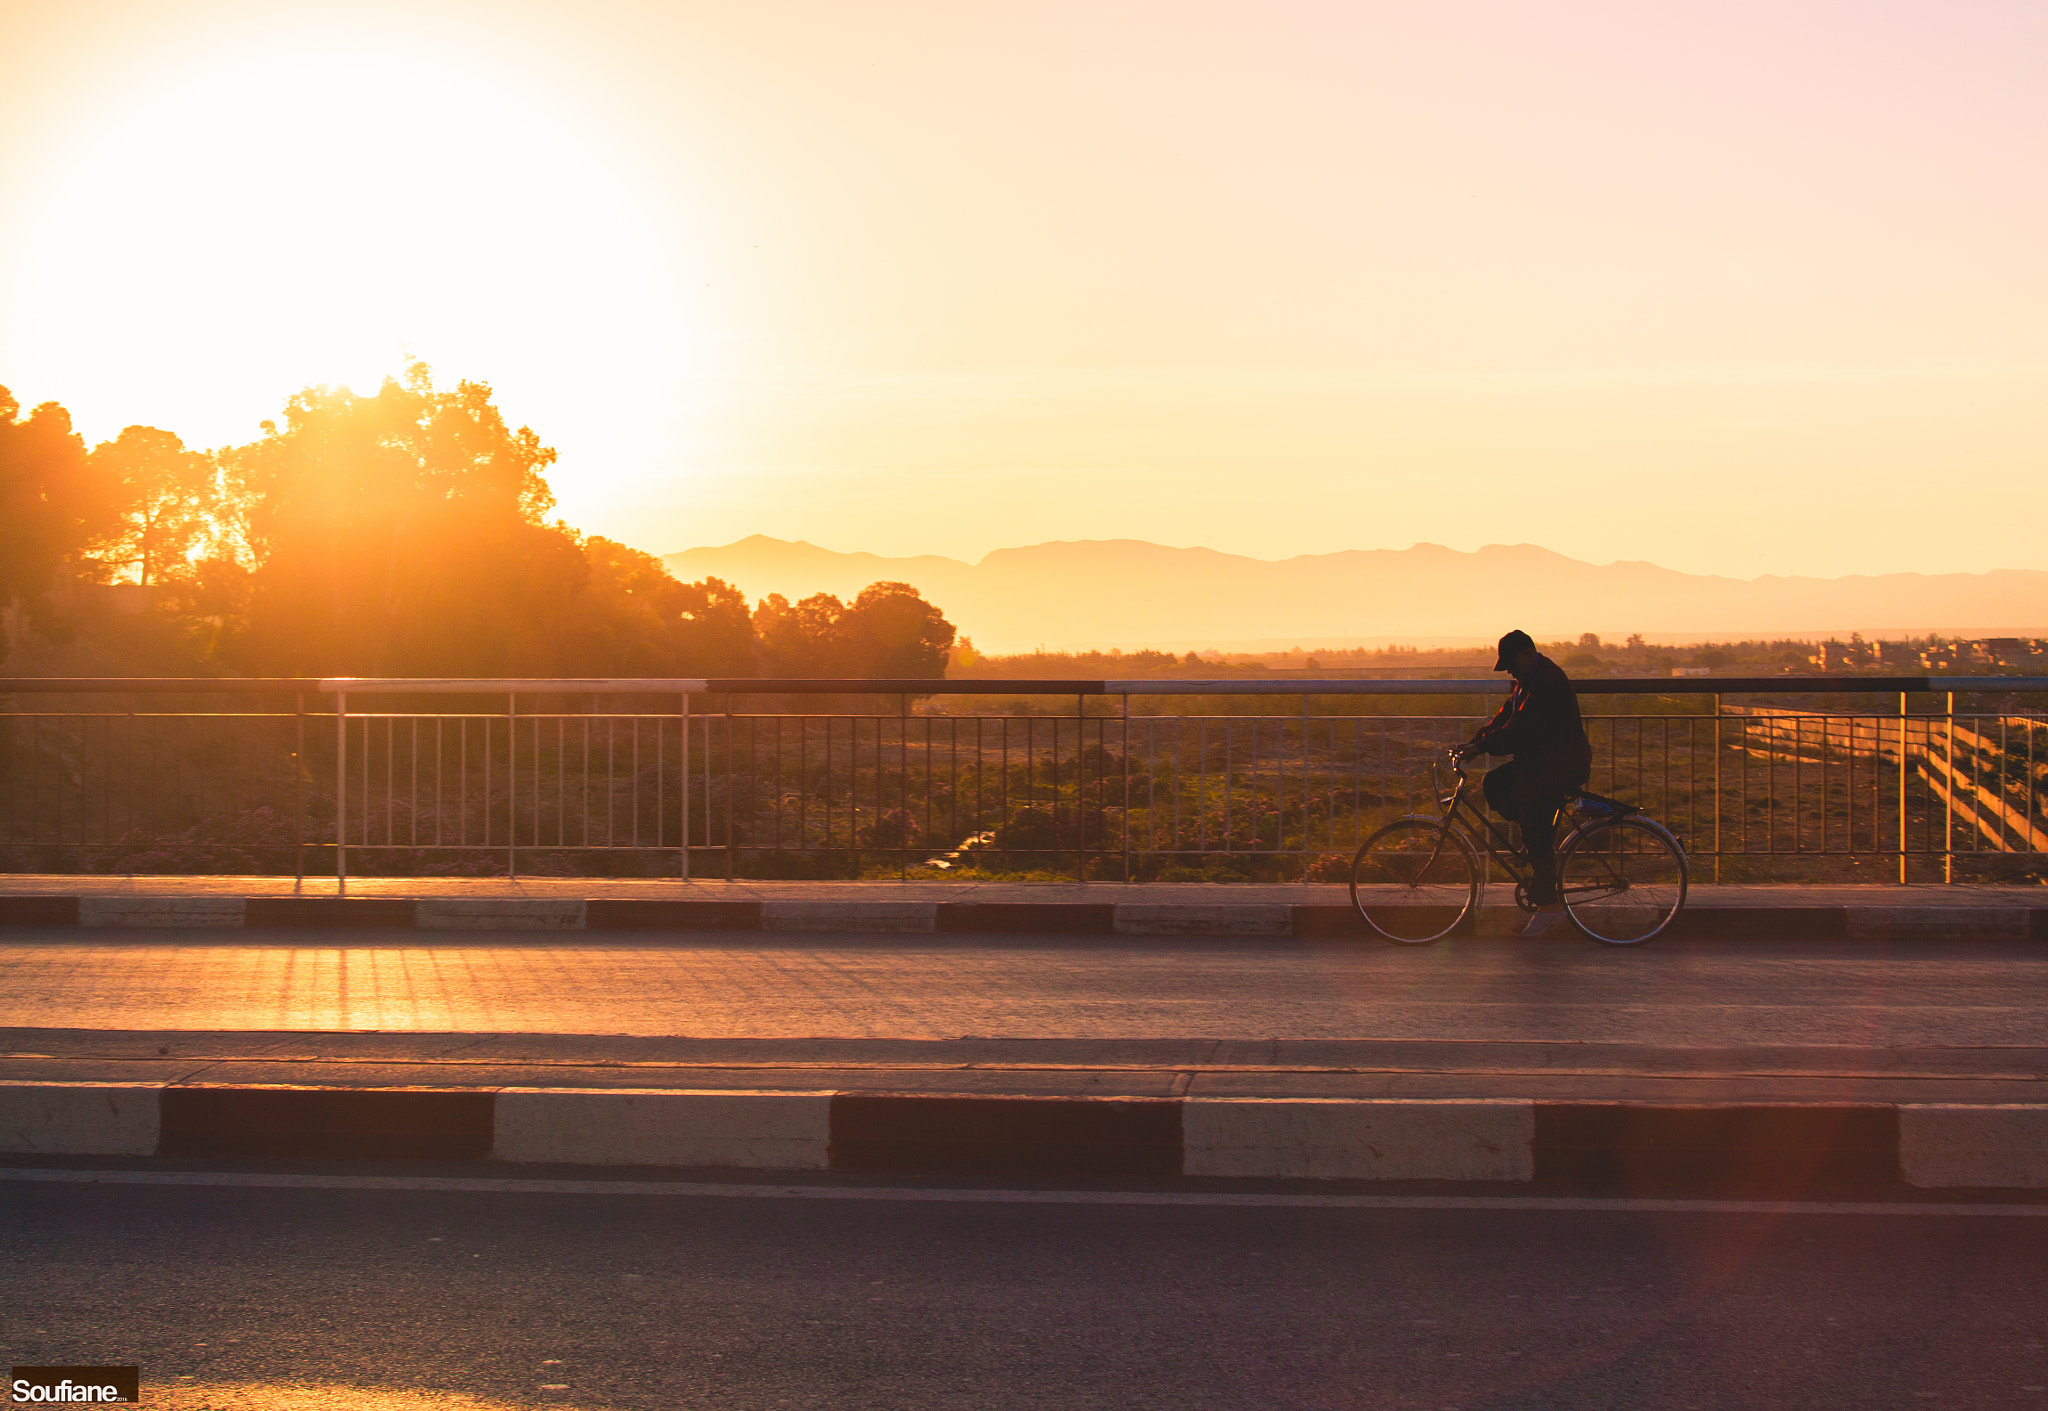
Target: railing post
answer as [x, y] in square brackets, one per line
[902, 780]
[299, 790]
[1717, 786]
[1080, 788]
[512, 785]
[1902, 788]
[686, 786]
[1948, 795]
[1125, 747]
[341, 793]
[731, 855]
[1305, 851]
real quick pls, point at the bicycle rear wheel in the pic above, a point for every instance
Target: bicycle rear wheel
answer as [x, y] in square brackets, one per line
[1413, 881]
[1622, 881]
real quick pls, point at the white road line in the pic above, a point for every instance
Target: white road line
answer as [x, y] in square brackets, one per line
[517, 1186]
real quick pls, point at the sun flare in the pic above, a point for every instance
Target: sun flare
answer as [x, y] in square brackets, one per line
[296, 221]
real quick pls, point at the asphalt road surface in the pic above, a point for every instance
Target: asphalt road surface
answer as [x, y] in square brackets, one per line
[748, 985]
[272, 1300]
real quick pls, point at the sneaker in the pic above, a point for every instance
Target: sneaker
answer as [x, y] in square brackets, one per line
[1545, 918]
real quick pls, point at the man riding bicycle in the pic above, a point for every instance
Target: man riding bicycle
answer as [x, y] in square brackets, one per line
[1540, 726]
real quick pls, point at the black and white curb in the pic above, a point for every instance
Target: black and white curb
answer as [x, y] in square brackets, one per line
[957, 918]
[1929, 1145]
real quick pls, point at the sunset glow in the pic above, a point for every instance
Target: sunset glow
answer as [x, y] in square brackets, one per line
[916, 278]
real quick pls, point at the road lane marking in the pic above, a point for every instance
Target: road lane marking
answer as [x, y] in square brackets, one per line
[540, 1186]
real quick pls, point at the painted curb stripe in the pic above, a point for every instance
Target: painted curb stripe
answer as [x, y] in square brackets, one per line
[1640, 1145]
[1623, 1146]
[1760, 923]
[38, 911]
[1304, 920]
[968, 1136]
[329, 1123]
[1064, 918]
[657, 915]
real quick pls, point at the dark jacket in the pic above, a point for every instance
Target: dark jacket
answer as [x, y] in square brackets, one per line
[1540, 726]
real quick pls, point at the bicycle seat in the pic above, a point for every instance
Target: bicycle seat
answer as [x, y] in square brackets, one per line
[1590, 802]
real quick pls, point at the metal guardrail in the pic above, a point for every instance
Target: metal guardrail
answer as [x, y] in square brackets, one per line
[636, 776]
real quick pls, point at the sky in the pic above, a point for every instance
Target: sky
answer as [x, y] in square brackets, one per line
[1746, 288]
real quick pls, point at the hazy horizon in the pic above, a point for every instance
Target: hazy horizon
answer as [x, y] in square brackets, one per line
[974, 560]
[1124, 593]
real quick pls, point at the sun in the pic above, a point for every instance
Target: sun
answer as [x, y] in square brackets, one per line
[317, 217]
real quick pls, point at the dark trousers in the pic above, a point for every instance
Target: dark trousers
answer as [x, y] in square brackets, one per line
[1530, 797]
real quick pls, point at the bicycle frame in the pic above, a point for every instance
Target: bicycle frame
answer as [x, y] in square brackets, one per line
[1490, 838]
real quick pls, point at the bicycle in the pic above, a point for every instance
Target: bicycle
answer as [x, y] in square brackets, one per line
[1621, 874]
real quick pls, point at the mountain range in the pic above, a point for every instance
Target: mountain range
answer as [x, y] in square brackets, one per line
[1102, 593]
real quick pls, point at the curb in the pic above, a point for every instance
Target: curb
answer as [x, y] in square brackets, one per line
[1308, 920]
[1633, 1145]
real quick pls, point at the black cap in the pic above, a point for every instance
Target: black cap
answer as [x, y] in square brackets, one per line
[1511, 647]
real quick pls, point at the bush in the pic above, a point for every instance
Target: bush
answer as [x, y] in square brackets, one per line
[1330, 867]
[894, 829]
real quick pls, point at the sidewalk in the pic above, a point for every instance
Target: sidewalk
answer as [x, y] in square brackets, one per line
[1731, 912]
[1635, 1117]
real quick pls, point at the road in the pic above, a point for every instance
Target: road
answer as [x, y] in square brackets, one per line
[714, 985]
[272, 1300]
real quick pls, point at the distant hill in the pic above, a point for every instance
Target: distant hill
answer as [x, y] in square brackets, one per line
[1129, 593]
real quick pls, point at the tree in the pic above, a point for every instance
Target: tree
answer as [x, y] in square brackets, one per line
[165, 496]
[891, 631]
[644, 622]
[51, 506]
[401, 534]
[802, 639]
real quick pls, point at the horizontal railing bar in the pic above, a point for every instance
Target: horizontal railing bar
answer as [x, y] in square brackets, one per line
[455, 685]
[155, 685]
[769, 686]
[176, 715]
[849, 686]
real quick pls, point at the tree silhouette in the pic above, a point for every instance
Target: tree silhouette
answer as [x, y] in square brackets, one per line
[802, 639]
[889, 631]
[165, 496]
[400, 534]
[51, 504]
[892, 631]
[642, 622]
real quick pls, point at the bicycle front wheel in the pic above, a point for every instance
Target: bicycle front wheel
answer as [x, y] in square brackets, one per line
[1413, 881]
[1622, 881]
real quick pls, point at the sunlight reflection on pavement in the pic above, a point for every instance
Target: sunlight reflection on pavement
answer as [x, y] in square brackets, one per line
[1125, 989]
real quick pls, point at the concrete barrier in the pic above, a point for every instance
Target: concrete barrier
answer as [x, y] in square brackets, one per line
[770, 1131]
[1166, 919]
[1359, 1140]
[499, 914]
[884, 917]
[210, 913]
[1990, 1146]
[79, 1119]
[1939, 923]
[1499, 918]
[1631, 1147]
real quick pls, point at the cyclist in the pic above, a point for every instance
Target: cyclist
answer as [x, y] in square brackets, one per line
[1540, 726]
